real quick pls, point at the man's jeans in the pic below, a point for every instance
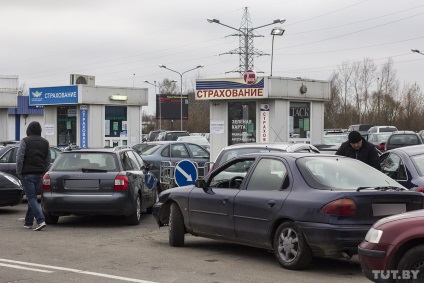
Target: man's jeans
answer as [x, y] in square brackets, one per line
[32, 186]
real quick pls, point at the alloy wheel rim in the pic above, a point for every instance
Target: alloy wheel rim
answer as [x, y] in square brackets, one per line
[288, 245]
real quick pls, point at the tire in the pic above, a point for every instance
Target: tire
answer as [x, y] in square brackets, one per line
[134, 218]
[413, 259]
[176, 227]
[50, 219]
[290, 247]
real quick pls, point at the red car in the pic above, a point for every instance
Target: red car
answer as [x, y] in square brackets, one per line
[393, 249]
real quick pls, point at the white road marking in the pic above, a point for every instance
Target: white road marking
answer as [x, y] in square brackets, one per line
[26, 268]
[65, 269]
[188, 176]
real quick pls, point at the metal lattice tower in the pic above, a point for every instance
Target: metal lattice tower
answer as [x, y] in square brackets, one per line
[246, 55]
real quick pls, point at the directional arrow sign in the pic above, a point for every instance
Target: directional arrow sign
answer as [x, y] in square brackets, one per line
[185, 173]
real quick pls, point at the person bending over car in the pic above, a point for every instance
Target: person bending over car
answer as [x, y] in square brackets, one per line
[358, 148]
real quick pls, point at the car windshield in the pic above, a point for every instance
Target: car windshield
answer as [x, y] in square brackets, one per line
[334, 139]
[77, 161]
[418, 161]
[342, 174]
[382, 138]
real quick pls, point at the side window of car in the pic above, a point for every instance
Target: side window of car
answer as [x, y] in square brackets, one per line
[7, 156]
[198, 151]
[268, 175]
[134, 162]
[391, 166]
[126, 162]
[165, 152]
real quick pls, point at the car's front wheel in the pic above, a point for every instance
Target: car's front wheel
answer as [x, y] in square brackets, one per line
[290, 247]
[176, 227]
[413, 262]
[134, 218]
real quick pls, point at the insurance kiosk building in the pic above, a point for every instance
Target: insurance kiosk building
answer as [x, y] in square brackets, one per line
[263, 109]
[90, 115]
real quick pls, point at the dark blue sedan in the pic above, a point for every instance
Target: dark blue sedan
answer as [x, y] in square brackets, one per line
[405, 165]
[299, 205]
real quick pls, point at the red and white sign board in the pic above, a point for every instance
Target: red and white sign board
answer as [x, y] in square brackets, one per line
[264, 123]
[250, 77]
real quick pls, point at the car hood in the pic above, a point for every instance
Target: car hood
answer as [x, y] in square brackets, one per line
[416, 215]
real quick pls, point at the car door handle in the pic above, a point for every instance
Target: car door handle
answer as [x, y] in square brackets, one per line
[225, 200]
[270, 203]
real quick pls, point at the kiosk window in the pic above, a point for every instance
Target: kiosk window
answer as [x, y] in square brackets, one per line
[299, 119]
[66, 125]
[242, 122]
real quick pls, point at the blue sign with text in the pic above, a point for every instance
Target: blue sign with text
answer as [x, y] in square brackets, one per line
[185, 173]
[53, 95]
[83, 126]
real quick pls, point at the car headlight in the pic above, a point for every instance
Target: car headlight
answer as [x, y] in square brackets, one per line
[374, 236]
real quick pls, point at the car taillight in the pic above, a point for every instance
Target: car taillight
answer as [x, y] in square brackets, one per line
[121, 183]
[342, 207]
[45, 185]
[420, 189]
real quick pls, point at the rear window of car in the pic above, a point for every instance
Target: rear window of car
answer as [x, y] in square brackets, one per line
[387, 130]
[418, 161]
[405, 139]
[174, 136]
[364, 127]
[77, 161]
[149, 149]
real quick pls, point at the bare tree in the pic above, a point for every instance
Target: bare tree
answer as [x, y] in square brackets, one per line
[344, 77]
[412, 104]
[368, 70]
[334, 108]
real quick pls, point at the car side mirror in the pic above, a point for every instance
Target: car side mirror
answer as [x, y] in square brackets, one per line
[200, 183]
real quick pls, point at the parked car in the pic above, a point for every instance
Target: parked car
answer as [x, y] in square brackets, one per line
[405, 165]
[393, 249]
[153, 134]
[334, 139]
[162, 156]
[8, 157]
[402, 138]
[200, 140]
[378, 139]
[105, 181]
[170, 135]
[232, 151]
[362, 128]
[300, 205]
[327, 148]
[11, 191]
[382, 129]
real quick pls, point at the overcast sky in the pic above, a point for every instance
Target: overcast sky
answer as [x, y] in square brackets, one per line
[122, 42]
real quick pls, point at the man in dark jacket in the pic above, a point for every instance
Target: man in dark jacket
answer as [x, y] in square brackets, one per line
[32, 161]
[357, 147]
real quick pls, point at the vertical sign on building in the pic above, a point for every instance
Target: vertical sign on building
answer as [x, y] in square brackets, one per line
[83, 126]
[264, 123]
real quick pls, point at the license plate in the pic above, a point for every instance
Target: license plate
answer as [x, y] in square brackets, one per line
[383, 209]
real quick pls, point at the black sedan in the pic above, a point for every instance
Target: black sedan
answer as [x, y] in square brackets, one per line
[106, 181]
[405, 165]
[299, 205]
[11, 191]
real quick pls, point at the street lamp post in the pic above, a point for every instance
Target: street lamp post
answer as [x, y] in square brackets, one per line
[417, 51]
[181, 94]
[246, 36]
[274, 32]
[160, 96]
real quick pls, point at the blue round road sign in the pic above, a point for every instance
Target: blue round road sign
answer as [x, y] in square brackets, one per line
[185, 173]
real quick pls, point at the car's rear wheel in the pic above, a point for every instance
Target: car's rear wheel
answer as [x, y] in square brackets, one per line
[413, 260]
[134, 218]
[50, 219]
[290, 247]
[176, 227]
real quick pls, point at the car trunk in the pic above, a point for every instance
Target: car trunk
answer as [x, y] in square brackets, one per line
[372, 205]
[82, 183]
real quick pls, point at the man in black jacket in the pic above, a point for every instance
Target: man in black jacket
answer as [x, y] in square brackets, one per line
[357, 147]
[32, 161]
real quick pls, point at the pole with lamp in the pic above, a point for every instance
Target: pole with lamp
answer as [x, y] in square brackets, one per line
[275, 31]
[181, 94]
[246, 35]
[417, 51]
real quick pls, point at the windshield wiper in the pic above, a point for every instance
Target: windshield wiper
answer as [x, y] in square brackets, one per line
[384, 188]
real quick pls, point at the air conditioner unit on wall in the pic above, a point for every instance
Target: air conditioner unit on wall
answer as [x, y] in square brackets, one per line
[77, 79]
